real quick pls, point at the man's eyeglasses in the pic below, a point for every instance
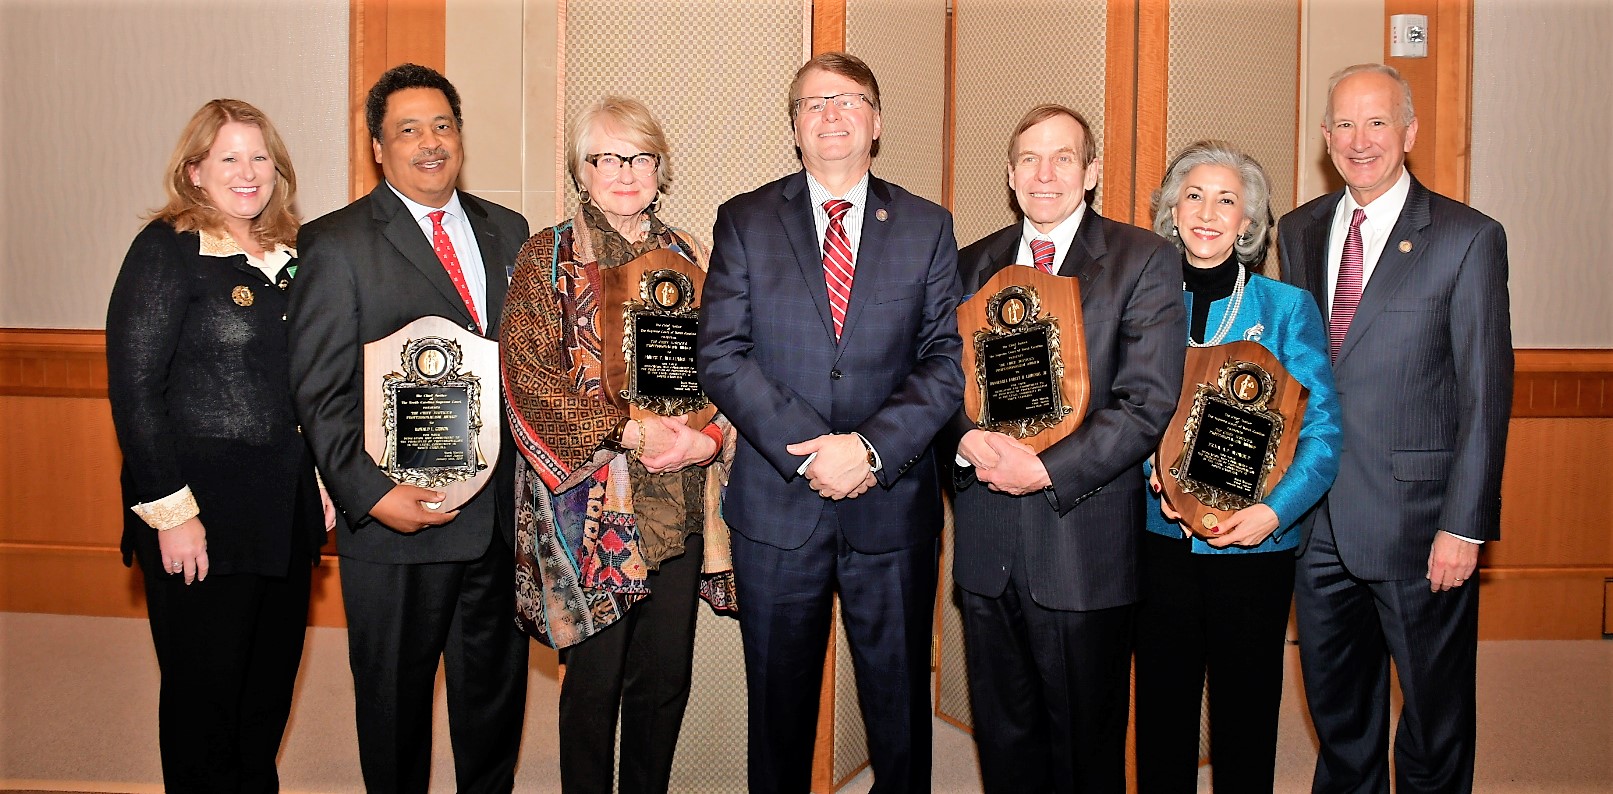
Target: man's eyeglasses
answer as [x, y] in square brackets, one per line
[608, 164]
[817, 104]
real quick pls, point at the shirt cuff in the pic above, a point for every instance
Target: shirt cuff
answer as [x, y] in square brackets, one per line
[170, 511]
[877, 463]
[1473, 541]
[963, 463]
[806, 463]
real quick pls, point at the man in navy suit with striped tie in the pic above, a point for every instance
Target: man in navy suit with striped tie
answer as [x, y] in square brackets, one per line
[1414, 286]
[828, 336]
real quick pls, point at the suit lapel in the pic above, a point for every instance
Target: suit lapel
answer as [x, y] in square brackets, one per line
[1085, 259]
[870, 252]
[1393, 265]
[998, 253]
[492, 246]
[406, 236]
[796, 216]
[1313, 253]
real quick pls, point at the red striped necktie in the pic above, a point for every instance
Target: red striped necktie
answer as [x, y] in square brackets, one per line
[1347, 293]
[837, 261]
[450, 262]
[1042, 255]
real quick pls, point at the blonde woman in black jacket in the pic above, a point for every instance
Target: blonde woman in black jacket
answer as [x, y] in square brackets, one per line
[224, 510]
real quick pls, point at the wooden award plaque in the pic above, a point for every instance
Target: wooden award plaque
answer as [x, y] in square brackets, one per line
[431, 408]
[1025, 356]
[1233, 435]
[648, 320]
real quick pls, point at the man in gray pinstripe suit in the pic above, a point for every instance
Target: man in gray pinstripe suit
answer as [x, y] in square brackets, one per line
[1415, 289]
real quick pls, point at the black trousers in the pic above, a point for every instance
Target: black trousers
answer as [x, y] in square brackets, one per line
[641, 666]
[403, 618]
[228, 649]
[1221, 615]
[887, 604]
[1349, 629]
[1049, 691]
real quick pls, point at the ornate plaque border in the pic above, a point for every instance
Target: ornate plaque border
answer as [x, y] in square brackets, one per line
[1230, 383]
[442, 356]
[655, 300]
[1023, 319]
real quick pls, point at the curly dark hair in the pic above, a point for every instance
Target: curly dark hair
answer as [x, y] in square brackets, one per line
[398, 78]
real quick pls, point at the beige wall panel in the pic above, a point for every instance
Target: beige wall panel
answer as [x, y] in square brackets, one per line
[1234, 68]
[904, 42]
[95, 94]
[1004, 69]
[1542, 73]
[715, 73]
[483, 57]
[1336, 33]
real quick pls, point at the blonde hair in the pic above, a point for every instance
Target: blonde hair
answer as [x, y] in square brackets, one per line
[628, 119]
[190, 209]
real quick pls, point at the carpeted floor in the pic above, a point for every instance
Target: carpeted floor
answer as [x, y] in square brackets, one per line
[78, 713]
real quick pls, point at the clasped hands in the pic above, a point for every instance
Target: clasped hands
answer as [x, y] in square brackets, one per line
[1248, 527]
[667, 443]
[1005, 464]
[839, 467]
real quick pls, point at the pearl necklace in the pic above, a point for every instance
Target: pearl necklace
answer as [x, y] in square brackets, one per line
[1227, 317]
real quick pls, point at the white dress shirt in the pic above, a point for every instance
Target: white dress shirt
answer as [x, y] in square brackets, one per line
[464, 239]
[1382, 214]
[1063, 236]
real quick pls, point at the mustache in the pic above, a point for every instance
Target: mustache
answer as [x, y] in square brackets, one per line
[429, 155]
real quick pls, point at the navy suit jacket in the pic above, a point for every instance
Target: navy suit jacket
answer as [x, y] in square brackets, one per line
[368, 270]
[769, 359]
[1424, 381]
[1077, 542]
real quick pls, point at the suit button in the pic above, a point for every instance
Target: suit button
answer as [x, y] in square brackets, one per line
[470, 326]
[282, 318]
[834, 374]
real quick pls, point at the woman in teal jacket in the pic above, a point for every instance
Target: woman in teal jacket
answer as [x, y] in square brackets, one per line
[1220, 607]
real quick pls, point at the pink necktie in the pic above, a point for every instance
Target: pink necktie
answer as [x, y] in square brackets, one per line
[1042, 255]
[450, 262]
[837, 265]
[1347, 293]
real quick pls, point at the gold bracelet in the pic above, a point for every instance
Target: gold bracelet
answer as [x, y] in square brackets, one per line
[642, 437]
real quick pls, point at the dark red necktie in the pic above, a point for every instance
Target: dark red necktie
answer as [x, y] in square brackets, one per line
[837, 261]
[1347, 293]
[1042, 255]
[450, 262]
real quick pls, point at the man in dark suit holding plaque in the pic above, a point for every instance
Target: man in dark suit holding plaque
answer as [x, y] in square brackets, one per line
[418, 584]
[1046, 555]
[828, 338]
[1414, 288]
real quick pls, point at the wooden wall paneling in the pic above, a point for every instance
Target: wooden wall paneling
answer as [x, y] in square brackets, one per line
[828, 26]
[1566, 604]
[1607, 607]
[1441, 87]
[1153, 70]
[383, 34]
[1119, 110]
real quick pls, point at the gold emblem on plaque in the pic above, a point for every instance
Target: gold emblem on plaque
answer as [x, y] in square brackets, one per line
[1210, 521]
[431, 361]
[242, 296]
[1016, 310]
[662, 293]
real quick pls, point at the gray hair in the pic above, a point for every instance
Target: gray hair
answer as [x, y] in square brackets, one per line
[628, 119]
[1403, 114]
[1251, 247]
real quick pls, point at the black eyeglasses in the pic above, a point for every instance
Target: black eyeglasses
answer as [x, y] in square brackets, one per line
[817, 104]
[609, 164]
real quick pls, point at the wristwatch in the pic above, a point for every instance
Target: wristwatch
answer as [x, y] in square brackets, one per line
[613, 441]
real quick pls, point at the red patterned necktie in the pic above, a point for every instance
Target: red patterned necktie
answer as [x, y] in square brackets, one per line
[1042, 255]
[1347, 293]
[837, 261]
[450, 262]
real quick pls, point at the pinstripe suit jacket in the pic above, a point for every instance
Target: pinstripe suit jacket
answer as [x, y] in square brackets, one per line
[1424, 382]
[1076, 543]
[769, 359]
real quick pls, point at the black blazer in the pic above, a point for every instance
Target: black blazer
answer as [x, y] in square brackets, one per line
[1424, 380]
[1076, 544]
[201, 396]
[769, 359]
[368, 270]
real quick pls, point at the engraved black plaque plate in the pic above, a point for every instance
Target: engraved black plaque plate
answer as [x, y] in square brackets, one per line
[664, 360]
[433, 427]
[1018, 376]
[1231, 449]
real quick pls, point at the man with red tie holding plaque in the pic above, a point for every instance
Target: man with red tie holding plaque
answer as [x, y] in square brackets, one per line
[1046, 556]
[828, 338]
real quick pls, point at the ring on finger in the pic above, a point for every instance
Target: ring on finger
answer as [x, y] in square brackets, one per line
[178, 566]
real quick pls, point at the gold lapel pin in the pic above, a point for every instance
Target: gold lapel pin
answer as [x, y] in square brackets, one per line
[1405, 246]
[242, 296]
[881, 215]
